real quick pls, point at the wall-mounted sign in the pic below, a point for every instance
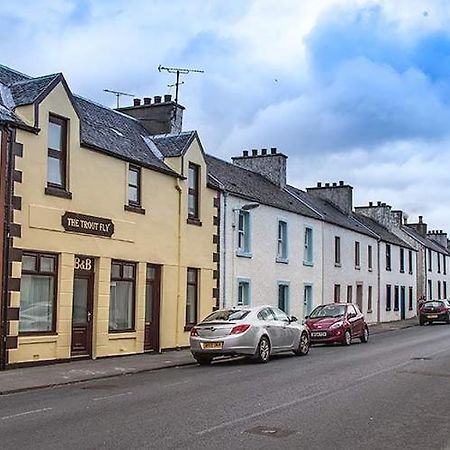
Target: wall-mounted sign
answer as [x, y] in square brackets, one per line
[81, 223]
[84, 263]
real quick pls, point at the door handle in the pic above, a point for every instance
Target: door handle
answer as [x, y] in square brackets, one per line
[89, 314]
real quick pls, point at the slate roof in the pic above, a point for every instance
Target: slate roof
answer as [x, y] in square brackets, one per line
[329, 213]
[426, 242]
[252, 186]
[117, 134]
[174, 144]
[101, 128]
[382, 231]
[27, 92]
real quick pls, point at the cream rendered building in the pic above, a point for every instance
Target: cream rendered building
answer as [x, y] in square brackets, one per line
[113, 242]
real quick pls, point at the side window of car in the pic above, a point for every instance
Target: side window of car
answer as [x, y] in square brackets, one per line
[265, 314]
[280, 315]
[351, 310]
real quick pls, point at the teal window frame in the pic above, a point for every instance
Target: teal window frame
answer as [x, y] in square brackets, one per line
[308, 246]
[286, 285]
[282, 239]
[246, 282]
[307, 286]
[246, 232]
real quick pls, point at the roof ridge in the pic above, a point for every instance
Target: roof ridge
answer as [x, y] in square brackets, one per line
[52, 76]
[16, 71]
[165, 135]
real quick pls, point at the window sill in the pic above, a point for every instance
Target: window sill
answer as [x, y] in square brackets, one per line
[410, 273]
[388, 310]
[369, 311]
[388, 269]
[194, 221]
[370, 269]
[134, 209]
[58, 192]
[357, 267]
[337, 265]
[126, 334]
[402, 271]
[40, 338]
[282, 260]
[395, 309]
[243, 254]
[308, 263]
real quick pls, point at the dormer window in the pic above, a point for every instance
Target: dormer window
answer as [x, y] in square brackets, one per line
[57, 154]
[194, 193]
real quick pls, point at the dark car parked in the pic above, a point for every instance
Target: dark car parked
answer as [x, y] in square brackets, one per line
[337, 322]
[434, 311]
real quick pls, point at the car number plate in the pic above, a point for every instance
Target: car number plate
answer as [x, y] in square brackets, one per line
[212, 345]
[432, 316]
[319, 334]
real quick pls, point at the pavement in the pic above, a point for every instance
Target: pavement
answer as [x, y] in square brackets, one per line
[389, 394]
[58, 374]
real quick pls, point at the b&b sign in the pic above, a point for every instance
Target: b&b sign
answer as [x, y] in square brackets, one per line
[81, 223]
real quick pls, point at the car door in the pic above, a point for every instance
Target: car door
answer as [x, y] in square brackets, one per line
[285, 332]
[357, 321]
[352, 318]
[267, 319]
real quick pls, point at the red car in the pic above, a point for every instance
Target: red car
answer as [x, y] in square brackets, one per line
[337, 322]
[434, 311]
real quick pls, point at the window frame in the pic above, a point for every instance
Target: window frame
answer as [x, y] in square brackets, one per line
[37, 272]
[350, 293]
[308, 246]
[410, 298]
[285, 286]
[369, 258]
[439, 289]
[246, 250]
[194, 192]
[410, 262]
[138, 171]
[247, 283]
[430, 290]
[187, 324]
[357, 255]
[396, 297]
[369, 299]
[60, 155]
[282, 240]
[388, 297]
[388, 251]
[438, 262]
[122, 264]
[430, 260]
[337, 293]
[402, 260]
[337, 251]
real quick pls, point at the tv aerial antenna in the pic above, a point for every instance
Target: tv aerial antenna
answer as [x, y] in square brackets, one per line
[118, 94]
[178, 71]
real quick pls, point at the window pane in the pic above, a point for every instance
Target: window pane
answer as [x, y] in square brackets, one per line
[54, 167]
[193, 177]
[54, 136]
[128, 271]
[191, 304]
[149, 303]
[115, 270]
[36, 303]
[47, 264]
[192, 205]
[132, 194]
[121, 305]
[192, 276]
[29, 262]
[133, 177]
[80, 294]
[151, 273]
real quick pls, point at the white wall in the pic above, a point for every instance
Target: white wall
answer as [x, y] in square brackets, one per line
[436, 276]
[262, 269]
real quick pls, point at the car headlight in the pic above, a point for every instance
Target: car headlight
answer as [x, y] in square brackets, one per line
[337, 325]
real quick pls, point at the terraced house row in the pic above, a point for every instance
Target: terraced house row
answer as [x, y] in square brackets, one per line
[119, 232]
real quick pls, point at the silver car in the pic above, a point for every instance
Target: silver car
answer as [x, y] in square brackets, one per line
[257, 332]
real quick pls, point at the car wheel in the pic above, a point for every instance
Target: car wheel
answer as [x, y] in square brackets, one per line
[303, 345]
[347, 338]
[263, 350]
[365, 336]
[203, 360]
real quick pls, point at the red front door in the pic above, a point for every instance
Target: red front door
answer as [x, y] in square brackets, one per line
[82, 307]
[152, 308]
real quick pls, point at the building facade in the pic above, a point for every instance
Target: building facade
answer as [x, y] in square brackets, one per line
[112, 248]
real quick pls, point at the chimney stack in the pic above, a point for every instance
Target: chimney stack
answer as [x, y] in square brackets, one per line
[438, 236]
[272, 166]
[421, 227]
[158, 117]
[339, 194]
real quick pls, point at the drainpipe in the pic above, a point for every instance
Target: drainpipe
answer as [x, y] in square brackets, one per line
[224, 251]
[6, 168]
[179, 188]
[378, 282]
[323, 265]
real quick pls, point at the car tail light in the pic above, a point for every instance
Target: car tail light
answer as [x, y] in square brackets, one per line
[194, 332]
[238, 329]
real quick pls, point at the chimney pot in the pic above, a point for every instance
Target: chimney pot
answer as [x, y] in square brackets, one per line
[167, 98]
[254, 152]
[370, 204]
[334, 184]
[440, 231]
[136, 102]
[378, 203]
[264, 151]
[420, 219]
[245, 153]
[327, 184]
[319, 184]
[341, 183]
[273, 150]
[147, 100]
[157, 99]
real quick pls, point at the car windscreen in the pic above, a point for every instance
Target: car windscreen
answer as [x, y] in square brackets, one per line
[328, 311]
[227, 315]
[432, 304]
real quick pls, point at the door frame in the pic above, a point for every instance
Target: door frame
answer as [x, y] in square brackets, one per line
[88, 275]
[154, 345]
[402, 302]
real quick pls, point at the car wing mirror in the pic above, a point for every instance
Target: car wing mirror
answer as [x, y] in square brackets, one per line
[293, 319]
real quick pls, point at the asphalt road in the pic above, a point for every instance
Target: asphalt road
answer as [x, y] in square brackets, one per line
[392, 393]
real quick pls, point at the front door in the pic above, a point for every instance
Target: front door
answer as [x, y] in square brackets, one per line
[82, 306]
[403, 303]
[152, 308]
[359, 296]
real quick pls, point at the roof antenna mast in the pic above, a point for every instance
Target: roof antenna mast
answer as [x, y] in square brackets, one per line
[179, 72]
[118, 94]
